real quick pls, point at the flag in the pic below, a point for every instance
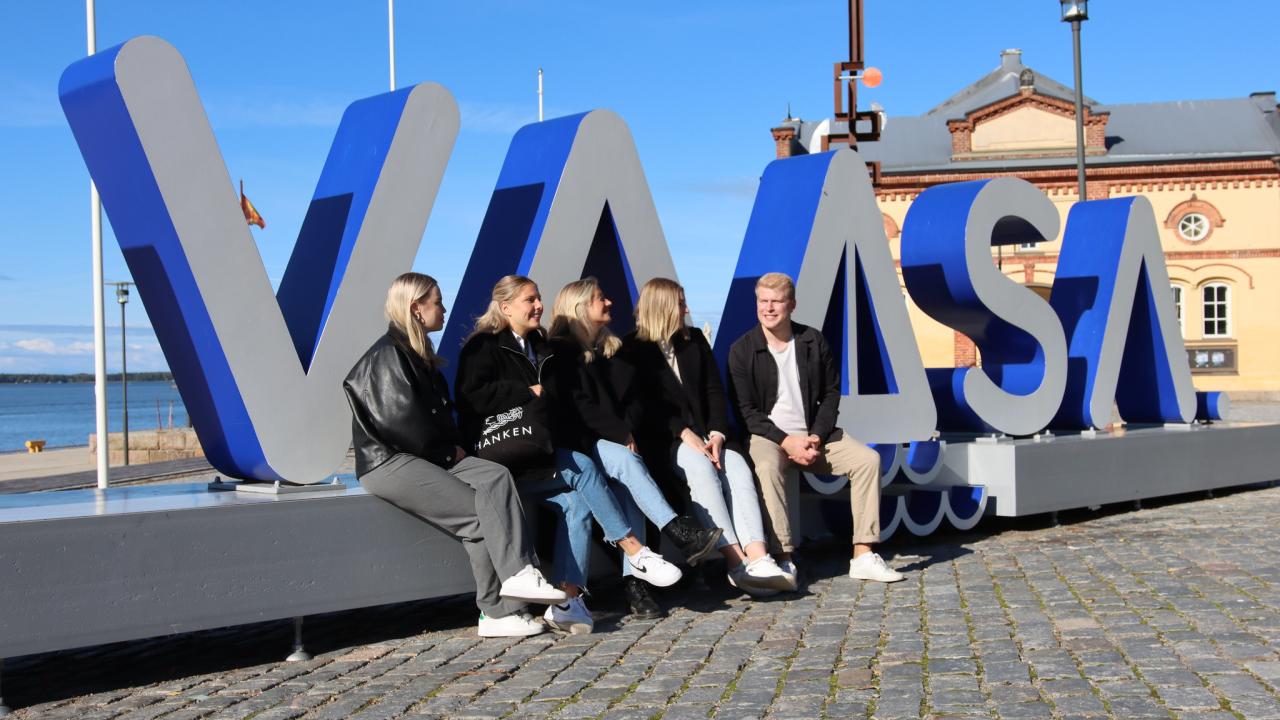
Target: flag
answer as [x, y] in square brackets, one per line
[251, 215]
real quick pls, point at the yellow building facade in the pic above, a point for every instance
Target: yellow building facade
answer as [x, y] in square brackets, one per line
[1211, 170]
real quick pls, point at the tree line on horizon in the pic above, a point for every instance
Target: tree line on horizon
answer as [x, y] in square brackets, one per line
[81, 377]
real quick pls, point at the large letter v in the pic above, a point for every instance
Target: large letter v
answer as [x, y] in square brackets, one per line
[261, 379]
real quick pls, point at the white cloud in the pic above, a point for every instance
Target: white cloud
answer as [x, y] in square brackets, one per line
[45, 346]
[37, 345]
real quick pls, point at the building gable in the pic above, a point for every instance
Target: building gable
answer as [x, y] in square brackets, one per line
[1028, 124]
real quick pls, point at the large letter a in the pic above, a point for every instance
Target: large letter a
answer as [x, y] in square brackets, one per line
[571, 201]
[815, 219]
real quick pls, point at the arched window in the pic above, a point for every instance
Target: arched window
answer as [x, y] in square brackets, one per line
[1216, 304]
[1177, 307]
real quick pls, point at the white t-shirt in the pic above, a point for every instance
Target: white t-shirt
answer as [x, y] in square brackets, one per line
[788, 411]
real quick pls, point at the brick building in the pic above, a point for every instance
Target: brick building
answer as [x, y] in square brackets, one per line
[1211, 169]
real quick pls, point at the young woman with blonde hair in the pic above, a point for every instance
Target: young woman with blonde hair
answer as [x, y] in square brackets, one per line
[408, 453]
[500, 368]
[590, 413]
[684, 424]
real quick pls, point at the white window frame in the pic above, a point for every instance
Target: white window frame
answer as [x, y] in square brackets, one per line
[1179, 307]
[1204, 224]
[1205, 316]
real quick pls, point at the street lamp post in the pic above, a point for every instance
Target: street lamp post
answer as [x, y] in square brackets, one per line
[1076, 12]
[122, 297]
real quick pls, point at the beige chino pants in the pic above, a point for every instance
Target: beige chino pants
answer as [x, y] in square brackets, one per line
[779, 480]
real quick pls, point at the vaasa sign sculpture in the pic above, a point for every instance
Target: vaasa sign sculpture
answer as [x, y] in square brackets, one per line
[261, 374]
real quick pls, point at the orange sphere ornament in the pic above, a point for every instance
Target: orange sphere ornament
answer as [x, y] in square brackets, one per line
[872, 77]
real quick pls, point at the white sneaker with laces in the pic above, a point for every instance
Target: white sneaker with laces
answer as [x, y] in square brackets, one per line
[652, 568]
[765, 571]
[791, 572]
[528, 585]
[870, 566]
[572, 617]
[741, 578]
[514, 625]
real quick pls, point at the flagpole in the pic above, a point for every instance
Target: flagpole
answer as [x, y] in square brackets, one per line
[99, 308]
[539, 94]
[391, 39]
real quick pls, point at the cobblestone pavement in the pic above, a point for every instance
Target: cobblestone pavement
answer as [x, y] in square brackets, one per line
[1170, 611]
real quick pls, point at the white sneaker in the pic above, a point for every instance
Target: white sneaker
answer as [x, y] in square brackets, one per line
[650, 567]
[573, 617]
[765, 571]
[514, 625]
[870, 566]
[741, 578]
[791, 572]
[528, 585]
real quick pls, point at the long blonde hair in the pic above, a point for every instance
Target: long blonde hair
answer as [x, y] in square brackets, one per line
[403, 293]
[658, 315]
[569, 319]
[505, 290]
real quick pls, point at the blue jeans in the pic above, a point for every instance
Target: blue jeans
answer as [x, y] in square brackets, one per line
[634, 487]
[578, 492]
[722, 498]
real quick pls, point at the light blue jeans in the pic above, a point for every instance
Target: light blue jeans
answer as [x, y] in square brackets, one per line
[578, 491]
[722, 498]
[635, 489]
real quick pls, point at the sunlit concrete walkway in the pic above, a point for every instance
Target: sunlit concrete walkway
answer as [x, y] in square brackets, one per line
[62, 461]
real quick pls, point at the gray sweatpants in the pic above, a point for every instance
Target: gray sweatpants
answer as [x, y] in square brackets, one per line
[476, 502]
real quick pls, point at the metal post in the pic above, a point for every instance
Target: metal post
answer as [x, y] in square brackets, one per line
[1080, 186]
[391, 39]
[99, 308]
[124, 369]
[4, 709]
[299, 653]
[539, 94]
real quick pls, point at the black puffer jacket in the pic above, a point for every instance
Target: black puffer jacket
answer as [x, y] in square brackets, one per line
[399, 405]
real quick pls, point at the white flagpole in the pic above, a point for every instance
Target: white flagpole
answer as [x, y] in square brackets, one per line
[99, 310]
[391, 39]
[539, 94]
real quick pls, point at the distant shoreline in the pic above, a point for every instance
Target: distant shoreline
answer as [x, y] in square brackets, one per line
[50, 378]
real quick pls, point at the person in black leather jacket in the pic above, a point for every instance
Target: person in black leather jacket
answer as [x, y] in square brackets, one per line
[407, 453]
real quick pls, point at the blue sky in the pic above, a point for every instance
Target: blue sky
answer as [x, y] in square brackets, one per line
[700, 84]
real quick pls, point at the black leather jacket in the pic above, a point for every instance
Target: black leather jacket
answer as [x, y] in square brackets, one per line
[399, 405]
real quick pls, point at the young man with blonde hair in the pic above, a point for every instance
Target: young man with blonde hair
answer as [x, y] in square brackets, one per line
[785, 385]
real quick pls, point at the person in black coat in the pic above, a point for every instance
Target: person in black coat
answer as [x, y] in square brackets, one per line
[589, 415]
[407, 453]
[684, 421]
[501, 403]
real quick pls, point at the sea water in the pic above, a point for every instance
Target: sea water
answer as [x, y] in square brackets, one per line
[62, 414]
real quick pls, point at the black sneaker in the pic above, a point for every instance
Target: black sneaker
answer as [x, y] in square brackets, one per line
[643, 606]
[694, 541]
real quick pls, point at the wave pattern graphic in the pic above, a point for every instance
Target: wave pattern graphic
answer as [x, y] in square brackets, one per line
[914, 494]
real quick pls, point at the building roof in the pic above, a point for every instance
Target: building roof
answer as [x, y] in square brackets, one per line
[1136, 133]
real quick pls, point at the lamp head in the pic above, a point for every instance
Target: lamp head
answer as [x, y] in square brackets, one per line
[1074, 10]
[122, 293]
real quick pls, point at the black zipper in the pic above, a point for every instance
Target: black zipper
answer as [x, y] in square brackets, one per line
[524, 357]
